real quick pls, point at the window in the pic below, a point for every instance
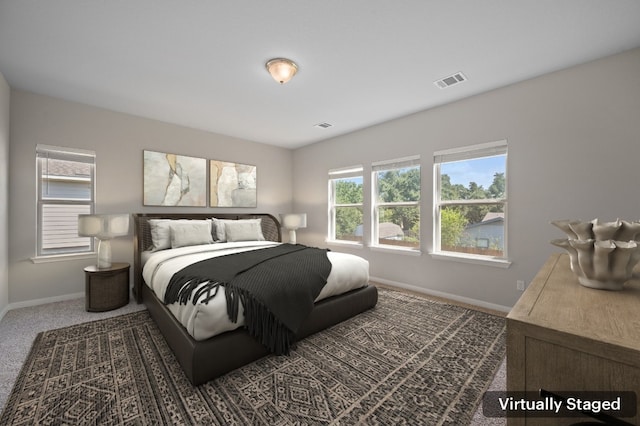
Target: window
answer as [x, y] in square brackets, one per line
[470, 201]
[66, 187]
[345, 205]
[396, 203]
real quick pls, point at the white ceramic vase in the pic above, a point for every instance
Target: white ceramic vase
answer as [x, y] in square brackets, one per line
[603, 254]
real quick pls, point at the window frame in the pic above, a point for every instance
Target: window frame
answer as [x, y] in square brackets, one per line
[356, 171]
[388, 165]
[471, 152]
[43, 154]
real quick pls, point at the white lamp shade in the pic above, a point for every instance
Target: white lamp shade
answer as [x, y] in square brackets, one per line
[103, 226]
[293, 220]
[89, 225]
[118, 225]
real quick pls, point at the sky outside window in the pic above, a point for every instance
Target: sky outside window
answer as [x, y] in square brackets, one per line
[480, 170]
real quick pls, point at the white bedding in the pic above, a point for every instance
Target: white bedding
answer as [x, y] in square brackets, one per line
[202, 321]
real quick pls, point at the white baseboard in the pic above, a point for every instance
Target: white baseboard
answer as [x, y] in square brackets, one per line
[43, 301]
[4, 312]
[444, 295]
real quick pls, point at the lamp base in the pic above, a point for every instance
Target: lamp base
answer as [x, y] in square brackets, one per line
[104, 254]
[292, 236]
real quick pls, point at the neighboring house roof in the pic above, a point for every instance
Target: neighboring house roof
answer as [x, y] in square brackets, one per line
[389, 230]
[489, 218]
[63, 168]
[385, 230]
[493, 215]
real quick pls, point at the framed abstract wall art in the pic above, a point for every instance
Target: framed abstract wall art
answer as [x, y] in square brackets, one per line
[232, 184]
[174, 180]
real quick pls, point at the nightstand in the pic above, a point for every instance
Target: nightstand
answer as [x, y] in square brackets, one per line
[106, 288]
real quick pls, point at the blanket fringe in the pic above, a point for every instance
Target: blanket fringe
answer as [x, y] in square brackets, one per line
[260, 322]
[206, 288]
[190, 288]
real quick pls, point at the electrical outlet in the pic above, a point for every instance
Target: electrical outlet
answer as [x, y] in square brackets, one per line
[520, 285]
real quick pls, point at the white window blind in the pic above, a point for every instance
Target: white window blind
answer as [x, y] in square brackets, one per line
[489, 149]
[398, 163]
[346, 172]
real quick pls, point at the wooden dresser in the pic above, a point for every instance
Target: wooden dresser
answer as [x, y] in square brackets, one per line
[562, 336]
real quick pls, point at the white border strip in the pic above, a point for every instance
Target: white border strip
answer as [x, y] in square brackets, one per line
[441, 294]
[43, 301]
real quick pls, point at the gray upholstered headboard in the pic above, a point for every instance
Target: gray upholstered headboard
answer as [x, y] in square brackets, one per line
[142, 235]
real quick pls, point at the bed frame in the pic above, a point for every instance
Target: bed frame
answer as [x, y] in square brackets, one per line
[207, 359]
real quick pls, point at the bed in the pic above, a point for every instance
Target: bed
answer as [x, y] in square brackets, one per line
[205, 358]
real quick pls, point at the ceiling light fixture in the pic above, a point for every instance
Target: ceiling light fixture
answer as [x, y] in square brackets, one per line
[281, 69]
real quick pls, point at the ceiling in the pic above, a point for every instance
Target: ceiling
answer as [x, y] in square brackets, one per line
[201, 63]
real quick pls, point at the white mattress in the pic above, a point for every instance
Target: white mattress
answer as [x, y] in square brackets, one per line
[202, 321]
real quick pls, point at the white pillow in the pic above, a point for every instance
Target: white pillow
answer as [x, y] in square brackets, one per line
[238, 230]
[161, 232]
[190, 234]
[220, 229]
[219, 235]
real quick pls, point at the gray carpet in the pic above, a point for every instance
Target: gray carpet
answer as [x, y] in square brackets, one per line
[19, 328]
[410, 360]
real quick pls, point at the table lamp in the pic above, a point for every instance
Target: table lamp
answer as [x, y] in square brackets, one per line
[104, 227]
[293, 221]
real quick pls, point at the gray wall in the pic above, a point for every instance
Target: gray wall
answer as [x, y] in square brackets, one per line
[118, 140]
[574, 145]
[4, 193]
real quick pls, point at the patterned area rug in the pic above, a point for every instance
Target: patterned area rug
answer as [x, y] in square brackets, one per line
[409, 360]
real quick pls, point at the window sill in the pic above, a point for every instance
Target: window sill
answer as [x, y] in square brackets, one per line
[344, 243]
[466, 258]
[63, 257]
[396, 250]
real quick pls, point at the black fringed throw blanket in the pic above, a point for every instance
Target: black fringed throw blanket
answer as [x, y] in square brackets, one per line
[276, 285]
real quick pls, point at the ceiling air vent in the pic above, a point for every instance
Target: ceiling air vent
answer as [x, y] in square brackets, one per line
[451, 80]
[323, 125]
